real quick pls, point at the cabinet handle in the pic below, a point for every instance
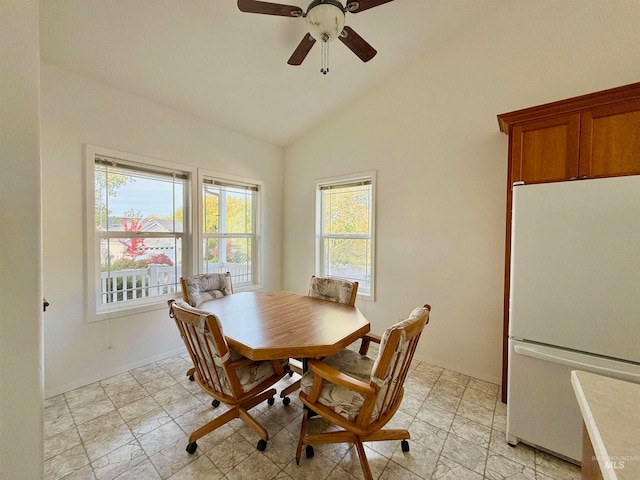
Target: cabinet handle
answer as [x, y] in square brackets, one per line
[584, 177]
[573, 178]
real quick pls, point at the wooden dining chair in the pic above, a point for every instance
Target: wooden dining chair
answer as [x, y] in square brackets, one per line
[360, 394]
[223, 373]
[333, 289]
[205, 286]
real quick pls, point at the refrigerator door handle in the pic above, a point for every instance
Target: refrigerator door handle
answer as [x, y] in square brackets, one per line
[547, 357]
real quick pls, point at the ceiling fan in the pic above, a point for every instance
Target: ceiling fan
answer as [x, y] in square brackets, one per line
[325, 19]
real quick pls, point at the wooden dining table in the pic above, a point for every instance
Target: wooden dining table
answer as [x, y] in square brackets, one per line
[274, 325]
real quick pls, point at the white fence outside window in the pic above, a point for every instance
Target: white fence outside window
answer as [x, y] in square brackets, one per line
[155, 280]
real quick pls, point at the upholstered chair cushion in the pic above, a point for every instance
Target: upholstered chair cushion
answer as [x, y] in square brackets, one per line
[253, 374]
[343, 401]
[332, 289]
[207, 286]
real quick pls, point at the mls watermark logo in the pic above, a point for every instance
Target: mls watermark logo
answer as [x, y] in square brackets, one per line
[617, 462]
[614, 464]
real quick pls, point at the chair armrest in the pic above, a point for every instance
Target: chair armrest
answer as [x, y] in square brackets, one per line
[240, 362]
[366, 341]
[295, 365]
[332, 375]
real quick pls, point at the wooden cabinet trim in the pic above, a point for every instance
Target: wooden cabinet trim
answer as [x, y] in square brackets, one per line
[626, 162]
[566, 162]
[626, 93]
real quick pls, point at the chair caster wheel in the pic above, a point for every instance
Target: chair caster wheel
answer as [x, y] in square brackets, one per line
[271, 401]
[309, 451]
[286, 401]
[405, 446]
[215, 403]
[191, 378]
[192, 447]
[262, 445]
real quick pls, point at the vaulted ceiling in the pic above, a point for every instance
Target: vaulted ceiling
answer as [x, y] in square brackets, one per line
[207, 58]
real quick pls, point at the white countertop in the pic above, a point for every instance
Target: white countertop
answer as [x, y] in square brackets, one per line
[611, 412]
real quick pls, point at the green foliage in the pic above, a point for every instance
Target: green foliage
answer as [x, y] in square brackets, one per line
[346, 212]
[106, 185]
[237, 215]
[127, 263]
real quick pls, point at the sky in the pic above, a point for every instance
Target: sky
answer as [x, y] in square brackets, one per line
[149, 197]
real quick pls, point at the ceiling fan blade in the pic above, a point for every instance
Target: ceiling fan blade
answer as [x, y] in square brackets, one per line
[267, 8]
[357, 44]
[302, 50]
[362, 5]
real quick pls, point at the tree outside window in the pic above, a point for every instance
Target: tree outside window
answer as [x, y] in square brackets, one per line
[345, 224]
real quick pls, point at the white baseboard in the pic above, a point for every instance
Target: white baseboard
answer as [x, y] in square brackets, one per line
[110, 373]
[457, 368]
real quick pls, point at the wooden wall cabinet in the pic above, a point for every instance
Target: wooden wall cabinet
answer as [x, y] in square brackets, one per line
[595, 135]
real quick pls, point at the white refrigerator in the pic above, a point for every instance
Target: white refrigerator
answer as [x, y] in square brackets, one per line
[574, 302]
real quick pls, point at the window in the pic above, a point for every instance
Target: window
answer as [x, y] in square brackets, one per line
[138, 223]
[345, 230]
[229, 224]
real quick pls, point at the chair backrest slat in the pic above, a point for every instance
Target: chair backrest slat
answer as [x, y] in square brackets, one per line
[206, 359]
[397, 348]
[204, 343]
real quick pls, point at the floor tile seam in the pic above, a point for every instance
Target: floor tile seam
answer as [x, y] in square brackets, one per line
[449, 432]
[178, 398]
[391, 460]
[493, 409]
[332, 470]
[152, 464]
[79, 436]
[88, 402]
[73, 420]
[486, 457]
[442, 449]
[484, 469]
[75, 424]
[491, 450]
[128, 469]
[135, 438]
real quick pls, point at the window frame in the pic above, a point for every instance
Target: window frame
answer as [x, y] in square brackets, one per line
[94, 310]
[338, 181]
[231, 180]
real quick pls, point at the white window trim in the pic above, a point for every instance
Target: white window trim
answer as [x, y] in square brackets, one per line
[198, 260]
[93, 312]
[346, 179]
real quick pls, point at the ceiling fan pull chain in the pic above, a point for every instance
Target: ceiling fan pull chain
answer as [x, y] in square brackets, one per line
[325, 58]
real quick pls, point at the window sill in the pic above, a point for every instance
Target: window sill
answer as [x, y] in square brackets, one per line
[247, 288]
[160, 303]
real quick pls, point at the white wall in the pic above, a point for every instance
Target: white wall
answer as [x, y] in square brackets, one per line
[432, 135]
[76, 111]
[21, 373]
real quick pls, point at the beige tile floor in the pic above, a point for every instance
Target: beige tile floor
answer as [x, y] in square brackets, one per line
[135, 426]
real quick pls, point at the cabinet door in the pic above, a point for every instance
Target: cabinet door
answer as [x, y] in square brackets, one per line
[610, 141]
[546, 150]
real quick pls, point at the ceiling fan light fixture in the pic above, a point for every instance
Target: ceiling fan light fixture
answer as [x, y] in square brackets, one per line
[325, 19]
